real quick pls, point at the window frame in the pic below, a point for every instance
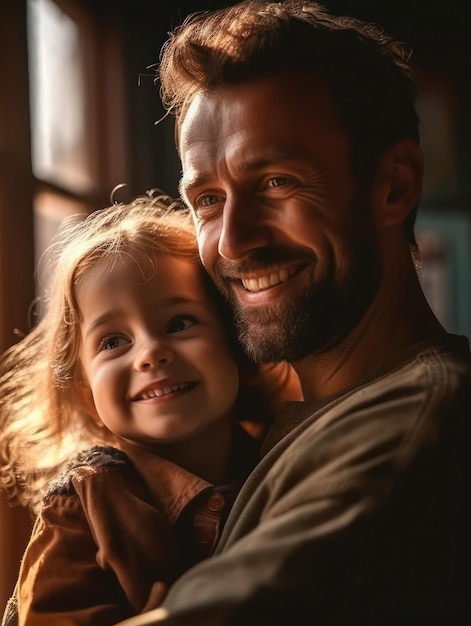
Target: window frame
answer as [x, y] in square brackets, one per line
[19, 187]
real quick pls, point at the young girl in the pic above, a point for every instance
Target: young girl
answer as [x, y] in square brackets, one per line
[120, 418]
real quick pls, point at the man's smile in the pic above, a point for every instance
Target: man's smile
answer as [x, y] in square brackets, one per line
[271, 279]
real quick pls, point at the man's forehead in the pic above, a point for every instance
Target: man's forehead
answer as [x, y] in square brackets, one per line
[290, 97]
[249, 125]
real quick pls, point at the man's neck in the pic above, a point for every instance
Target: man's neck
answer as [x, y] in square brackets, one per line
[396, 319]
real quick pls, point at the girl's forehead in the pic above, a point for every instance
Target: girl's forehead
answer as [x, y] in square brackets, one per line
[129, 265]
[166, 272]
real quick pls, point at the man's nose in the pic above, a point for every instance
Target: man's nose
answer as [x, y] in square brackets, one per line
[245, 227]
[153, 355]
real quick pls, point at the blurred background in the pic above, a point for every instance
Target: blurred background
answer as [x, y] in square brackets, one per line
[78, 113]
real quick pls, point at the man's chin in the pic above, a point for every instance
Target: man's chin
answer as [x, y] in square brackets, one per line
[293, 330]
[268, 341]
[266, 333]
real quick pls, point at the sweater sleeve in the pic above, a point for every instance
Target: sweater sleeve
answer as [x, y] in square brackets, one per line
[351, 520]
[96, 548]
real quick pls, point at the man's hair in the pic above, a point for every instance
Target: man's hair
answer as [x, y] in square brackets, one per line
[366, 71]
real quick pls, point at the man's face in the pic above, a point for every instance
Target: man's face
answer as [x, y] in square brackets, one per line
[267, 171]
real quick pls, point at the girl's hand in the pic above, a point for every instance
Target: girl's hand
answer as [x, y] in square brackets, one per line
[264, 390]
[156, 596]
[278, 382]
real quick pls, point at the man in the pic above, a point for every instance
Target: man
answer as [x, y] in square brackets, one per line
[301, 163]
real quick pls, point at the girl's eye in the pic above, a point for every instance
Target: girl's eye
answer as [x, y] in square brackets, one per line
[112, 342]
[180, 323]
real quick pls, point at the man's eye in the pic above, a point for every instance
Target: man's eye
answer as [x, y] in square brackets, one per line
[278, 181]
[112, 342]
[208, 200]
[178, 324]
[206, 205]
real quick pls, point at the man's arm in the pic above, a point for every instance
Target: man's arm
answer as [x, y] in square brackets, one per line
[347, 526]
[299, 537]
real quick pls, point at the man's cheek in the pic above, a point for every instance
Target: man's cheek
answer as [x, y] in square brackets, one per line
[208, 248]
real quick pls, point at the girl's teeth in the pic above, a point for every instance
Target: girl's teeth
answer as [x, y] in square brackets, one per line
[163, 391]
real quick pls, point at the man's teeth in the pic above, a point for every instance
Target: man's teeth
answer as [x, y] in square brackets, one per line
[269, 280]
[162, 391]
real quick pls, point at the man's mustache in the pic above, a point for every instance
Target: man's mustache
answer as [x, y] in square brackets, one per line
[259, 260]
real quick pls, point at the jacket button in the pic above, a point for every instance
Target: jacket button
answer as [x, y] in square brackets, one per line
[216, 502]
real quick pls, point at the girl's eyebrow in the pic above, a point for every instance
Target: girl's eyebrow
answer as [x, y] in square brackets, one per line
[101, 320]
[107, 316]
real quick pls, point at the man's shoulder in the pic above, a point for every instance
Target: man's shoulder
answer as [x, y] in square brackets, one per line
[363, 440]
[415, 388]
[435, 370]
[431, 380]
[387, 419]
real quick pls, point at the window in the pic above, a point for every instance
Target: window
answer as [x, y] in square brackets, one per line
[63, 134]
[63, 99]
[62, 150]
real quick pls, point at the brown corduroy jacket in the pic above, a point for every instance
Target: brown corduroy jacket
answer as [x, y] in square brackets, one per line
[112, 525]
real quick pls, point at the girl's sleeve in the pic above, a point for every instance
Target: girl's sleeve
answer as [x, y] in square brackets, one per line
[94, 553]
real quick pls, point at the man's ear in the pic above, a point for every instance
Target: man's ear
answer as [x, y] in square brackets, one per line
[397, 185]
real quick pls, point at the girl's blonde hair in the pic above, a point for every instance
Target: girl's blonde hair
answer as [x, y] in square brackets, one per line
[44, 419]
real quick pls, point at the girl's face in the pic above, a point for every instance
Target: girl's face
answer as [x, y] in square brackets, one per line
[154, 351]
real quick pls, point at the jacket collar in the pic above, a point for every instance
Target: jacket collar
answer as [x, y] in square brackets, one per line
[171, 486]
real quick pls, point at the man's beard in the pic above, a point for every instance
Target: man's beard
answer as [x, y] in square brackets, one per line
[315, 321]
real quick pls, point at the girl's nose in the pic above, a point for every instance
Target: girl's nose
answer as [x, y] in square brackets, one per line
[153, 357]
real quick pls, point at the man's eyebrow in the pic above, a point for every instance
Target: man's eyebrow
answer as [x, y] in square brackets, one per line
[258, 163]
[202, 178]
[192, 182]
